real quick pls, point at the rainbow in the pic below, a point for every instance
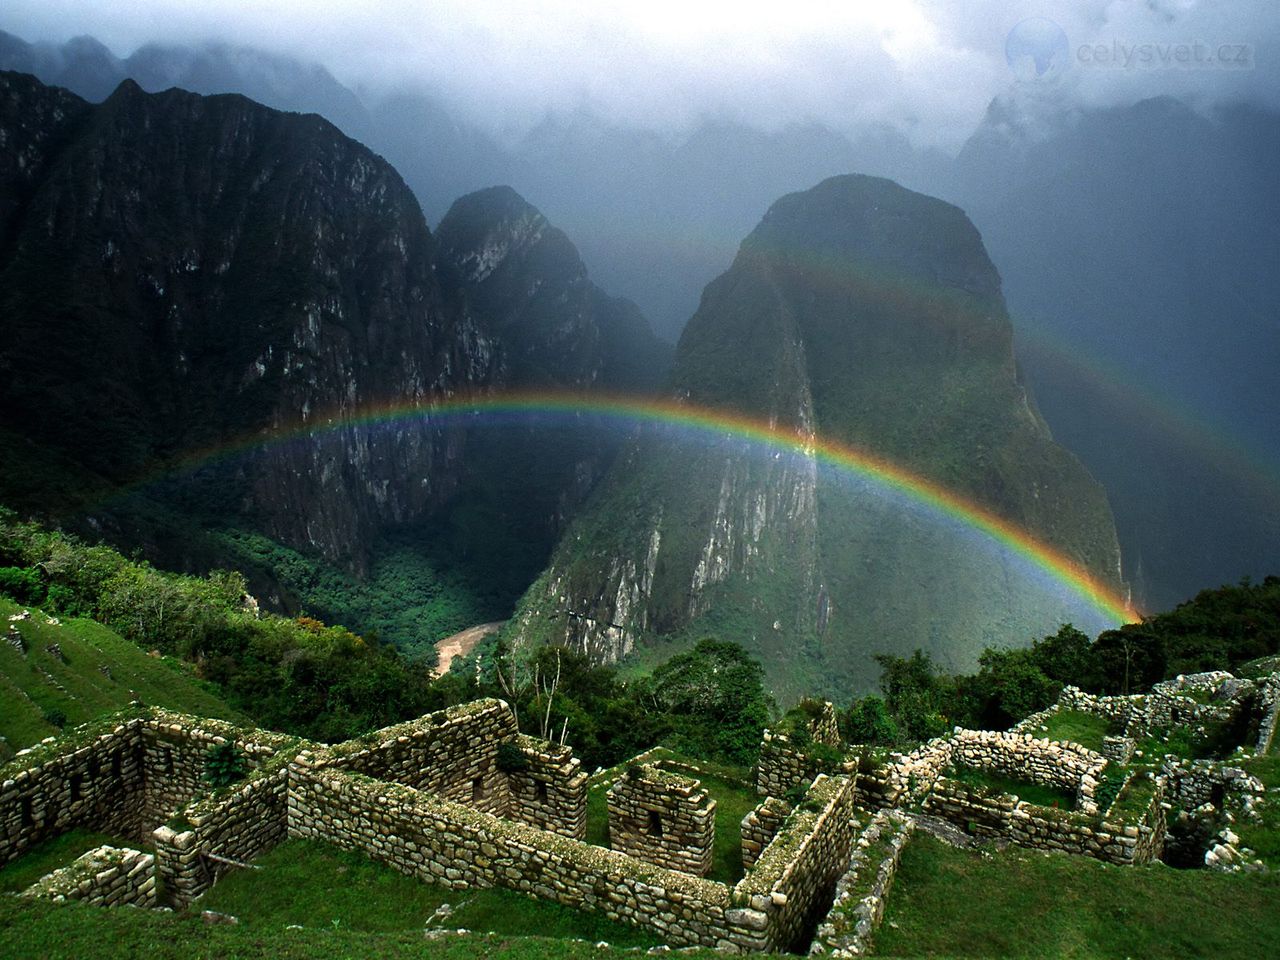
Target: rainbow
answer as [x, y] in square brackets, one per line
[711, 423]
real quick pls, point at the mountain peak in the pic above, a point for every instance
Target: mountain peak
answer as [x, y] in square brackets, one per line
[867, 222]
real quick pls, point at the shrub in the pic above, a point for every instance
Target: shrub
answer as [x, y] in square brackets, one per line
[55, 718]
[511, 758]
[22, 583]
[224, 764]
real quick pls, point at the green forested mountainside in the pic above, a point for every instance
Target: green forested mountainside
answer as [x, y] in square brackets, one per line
[324, 682]
[862, 313]
[221, 656]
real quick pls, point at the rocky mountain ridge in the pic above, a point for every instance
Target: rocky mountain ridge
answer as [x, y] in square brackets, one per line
[869, 315]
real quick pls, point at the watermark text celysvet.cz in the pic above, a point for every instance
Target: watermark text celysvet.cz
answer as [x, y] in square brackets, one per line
[1119, 54]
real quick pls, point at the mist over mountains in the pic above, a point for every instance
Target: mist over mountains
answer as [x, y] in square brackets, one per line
[1134, 243]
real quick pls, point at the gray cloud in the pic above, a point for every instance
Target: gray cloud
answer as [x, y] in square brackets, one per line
[926, 67]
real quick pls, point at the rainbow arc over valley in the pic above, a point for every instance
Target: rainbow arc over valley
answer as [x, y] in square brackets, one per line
[627, 410]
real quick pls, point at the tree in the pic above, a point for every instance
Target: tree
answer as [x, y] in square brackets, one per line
[868, 721]
[716, 698]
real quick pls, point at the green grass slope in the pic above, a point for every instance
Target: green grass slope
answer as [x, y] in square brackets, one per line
[99, 672]
[1021, 903]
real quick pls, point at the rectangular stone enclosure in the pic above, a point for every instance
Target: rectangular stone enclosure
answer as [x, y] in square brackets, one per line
[663, 819]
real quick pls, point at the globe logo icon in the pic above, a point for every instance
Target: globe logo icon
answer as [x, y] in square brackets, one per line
[1036, 48]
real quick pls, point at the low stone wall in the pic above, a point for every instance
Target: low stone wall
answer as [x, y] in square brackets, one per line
[858, 908]
[449, 844]
[1191, 783]
[1168, 705]
[987, 813]
[904, 778]
[662, 818]
[451, 753]
[238, 824]
[760, 826]
[784, 765]
[106, 876]
[1118, 749]
[458, 846]
[1268, 707]
[91, 777]
[794, 879]
[1053, 763]
[550, 793]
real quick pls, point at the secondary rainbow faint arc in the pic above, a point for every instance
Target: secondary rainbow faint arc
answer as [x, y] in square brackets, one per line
[720, 422]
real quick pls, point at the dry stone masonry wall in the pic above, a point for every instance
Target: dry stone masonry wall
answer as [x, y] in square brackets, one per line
[862, 890]
[662, 818]
[760, 826]
[106, 876]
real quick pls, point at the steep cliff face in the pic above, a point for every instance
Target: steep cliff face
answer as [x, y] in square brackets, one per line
[182, 273]
[184, 276]
[863, 313]
[552, 329]
[526, 279]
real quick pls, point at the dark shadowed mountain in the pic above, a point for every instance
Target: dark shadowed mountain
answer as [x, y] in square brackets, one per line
[1137, 246]
[185, 275]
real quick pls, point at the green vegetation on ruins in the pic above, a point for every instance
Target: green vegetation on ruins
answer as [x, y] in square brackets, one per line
[57, 852]
[1223, 629]
[1076, 726]
[1037, 793]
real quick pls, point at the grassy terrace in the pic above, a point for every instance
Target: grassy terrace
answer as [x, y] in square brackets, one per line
[1086, 729]
[38, 686]
[729, 786]
[1022, 903]
[1024, 790]
[322, 887]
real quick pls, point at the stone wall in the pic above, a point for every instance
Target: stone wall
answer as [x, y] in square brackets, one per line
[1169, 704]
[760, 826]
[794, 879]
[238, 824]
[452, 753]
[106, 876]
[861, 892]
[1138, 838]
[783, 765]
[130, 775]
[93, 777]
[662, 818]
[1268, 708]
[1118, 749]
[904, 778]
[1021, 756]
[445, 842]
[550, 793]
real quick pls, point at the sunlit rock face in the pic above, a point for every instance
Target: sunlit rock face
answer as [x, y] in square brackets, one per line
[862, 313]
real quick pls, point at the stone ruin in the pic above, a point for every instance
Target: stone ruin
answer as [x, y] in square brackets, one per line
[662, 818]
[461, 798]
[458, 797]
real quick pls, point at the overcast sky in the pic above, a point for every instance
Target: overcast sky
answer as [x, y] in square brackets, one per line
[928, 67]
